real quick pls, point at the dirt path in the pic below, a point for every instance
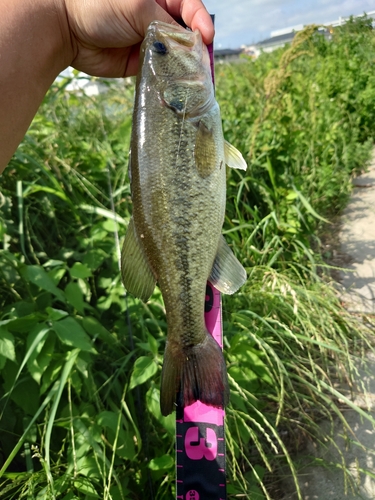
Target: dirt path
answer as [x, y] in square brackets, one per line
[357, 239]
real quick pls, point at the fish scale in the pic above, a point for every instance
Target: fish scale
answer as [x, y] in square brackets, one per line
[178, 190]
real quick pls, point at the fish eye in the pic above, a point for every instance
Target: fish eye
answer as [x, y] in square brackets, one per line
[159, 47]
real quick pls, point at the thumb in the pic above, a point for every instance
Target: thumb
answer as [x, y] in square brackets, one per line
[193, 13]
[152, 12]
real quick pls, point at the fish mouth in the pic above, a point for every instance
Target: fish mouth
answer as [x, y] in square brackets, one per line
[185, 47]
[174, 34]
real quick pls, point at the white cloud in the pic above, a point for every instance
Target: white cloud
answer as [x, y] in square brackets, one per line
[248, 21]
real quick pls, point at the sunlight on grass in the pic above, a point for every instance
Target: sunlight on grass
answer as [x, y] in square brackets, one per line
[80, 361]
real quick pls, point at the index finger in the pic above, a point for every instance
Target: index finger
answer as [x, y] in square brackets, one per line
[193, 13]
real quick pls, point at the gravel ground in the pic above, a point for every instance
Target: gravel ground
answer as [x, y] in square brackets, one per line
[357, 444]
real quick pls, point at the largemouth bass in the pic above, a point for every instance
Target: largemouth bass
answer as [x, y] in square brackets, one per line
[178, 185]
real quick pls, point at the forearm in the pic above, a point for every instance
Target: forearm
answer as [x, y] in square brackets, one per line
[34, 48]
[39, 38]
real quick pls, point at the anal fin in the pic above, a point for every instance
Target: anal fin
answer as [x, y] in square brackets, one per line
[227, 274]
[136, 273]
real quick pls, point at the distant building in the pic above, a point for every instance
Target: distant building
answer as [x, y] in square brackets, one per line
[286, 31]
[275, 42]
[227, 55]
[342, 20]
[81, 83]
[281, 37]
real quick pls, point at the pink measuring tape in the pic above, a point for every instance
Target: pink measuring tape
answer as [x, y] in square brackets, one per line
[200, 434]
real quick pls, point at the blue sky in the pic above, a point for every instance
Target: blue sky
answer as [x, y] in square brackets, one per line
[249, 21]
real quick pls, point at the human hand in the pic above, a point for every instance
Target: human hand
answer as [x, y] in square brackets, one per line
[106, 35]
[40, 38]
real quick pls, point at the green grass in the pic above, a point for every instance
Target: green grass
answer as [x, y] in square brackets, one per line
[80, 361]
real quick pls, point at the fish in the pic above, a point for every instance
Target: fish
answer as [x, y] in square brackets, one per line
[178, 189]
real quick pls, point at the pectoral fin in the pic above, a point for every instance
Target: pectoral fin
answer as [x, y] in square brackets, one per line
[207, 154]
[136, 273]
[227, 274]
[233, 158]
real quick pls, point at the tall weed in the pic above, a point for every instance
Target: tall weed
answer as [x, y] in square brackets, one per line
[80, 361]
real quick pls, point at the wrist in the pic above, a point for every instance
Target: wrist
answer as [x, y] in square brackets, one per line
[65, 45]
[57, 47]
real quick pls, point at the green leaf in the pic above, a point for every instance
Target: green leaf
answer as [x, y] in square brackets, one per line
[24, 308]
[56, 274]
[271, 173]
[74, 296]
[80, 270]
[113, 425]
[153, 406]
[292, 195]
[110, 226]
[104, 213]
[68, 366]
[25, 324]
[108, 419]
[3, 361]
[53, 263]
[120, 491]
[35, 188]
[55, 314]
[87, 465]
[161, 463]
[151, 345]
[25, 393]
[95, 329]
[38, 276]
[7, 344]
[41, 333]
[144, 368]
[85, 486]
[308, 207]
[41, 355]
[51, 373]
[94, 258]
[71, 333]
[154, 346]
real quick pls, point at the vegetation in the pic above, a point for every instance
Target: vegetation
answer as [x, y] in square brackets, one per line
[80, 361]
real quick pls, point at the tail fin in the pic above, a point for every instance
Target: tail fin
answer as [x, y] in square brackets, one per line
[198, 372]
